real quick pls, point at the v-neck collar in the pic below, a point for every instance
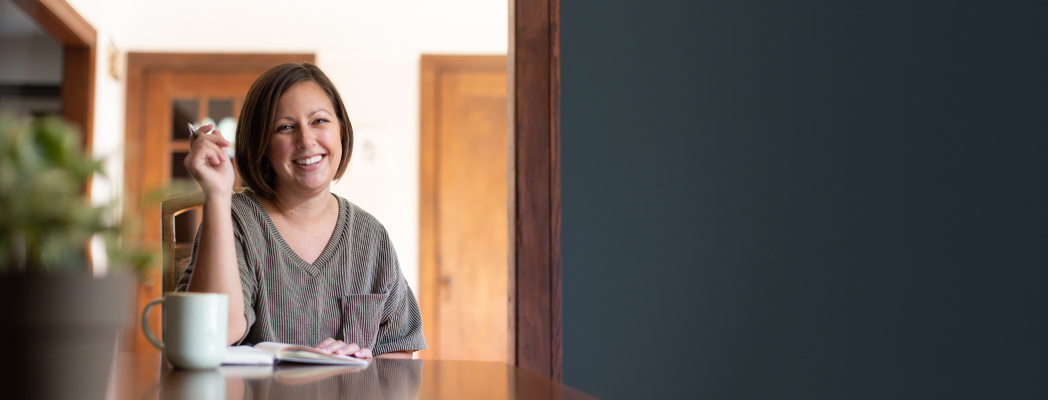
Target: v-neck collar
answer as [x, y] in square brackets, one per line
[329, 249]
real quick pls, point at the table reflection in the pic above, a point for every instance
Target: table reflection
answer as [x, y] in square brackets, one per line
[384, 379]
[145, 376]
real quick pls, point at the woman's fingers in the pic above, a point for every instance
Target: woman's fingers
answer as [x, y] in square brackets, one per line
[214, 139]
[200, 131]
[204, 155]
[323, 345]
[217, 156]
[208, 135]
[208, 160]
[363, 353]
[330, 345]
[211, 147]
[339, 347]
[346, 349]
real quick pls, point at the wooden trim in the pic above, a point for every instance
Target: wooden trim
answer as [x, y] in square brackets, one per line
[78, 89]
[61, 21]
[556, 301]
[213, 62]
[427, 250]
[535, 59]
[447, 62]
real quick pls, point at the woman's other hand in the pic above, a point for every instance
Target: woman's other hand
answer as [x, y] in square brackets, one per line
[208, 161]
[332, 346]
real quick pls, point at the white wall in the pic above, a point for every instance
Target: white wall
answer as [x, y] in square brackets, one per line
[370, 49]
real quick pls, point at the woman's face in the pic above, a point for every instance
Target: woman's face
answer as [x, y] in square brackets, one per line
[306, 146]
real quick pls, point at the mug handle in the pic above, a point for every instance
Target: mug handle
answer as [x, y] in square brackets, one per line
[145, 323]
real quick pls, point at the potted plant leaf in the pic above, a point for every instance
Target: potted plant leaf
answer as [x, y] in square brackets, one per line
[58, 322]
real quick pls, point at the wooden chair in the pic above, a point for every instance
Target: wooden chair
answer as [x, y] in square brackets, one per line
[176, 257]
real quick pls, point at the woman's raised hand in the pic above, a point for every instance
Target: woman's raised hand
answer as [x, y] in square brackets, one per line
[208, 161]
[216, 269]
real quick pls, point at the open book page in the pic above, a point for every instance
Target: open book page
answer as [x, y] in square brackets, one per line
[284, 352]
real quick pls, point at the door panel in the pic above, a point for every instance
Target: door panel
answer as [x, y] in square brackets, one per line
[464, 268]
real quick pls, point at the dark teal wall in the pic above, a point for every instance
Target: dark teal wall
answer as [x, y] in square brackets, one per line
[805, 199]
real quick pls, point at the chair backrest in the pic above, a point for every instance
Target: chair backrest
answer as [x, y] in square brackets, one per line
[176, 257]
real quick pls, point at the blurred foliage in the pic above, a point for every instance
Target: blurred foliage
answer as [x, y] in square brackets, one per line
[46, 220]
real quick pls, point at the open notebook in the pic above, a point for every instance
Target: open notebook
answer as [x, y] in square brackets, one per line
[272, 352]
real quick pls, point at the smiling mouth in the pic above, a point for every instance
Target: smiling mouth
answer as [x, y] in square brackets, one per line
[309, 161]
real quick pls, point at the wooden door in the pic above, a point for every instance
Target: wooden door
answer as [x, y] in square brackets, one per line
[165, 92]
[464, 209]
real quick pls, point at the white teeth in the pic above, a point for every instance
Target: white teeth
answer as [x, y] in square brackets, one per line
[309, 161]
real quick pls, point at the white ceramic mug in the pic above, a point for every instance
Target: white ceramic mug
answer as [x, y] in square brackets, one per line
[195, 326]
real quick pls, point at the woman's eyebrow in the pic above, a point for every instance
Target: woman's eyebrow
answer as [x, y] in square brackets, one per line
[311, 113]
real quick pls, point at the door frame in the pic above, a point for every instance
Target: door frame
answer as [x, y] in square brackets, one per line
[79, 41]
[432, 68]
[534, 70]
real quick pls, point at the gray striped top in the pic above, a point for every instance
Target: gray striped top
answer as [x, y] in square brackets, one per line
[353, 292]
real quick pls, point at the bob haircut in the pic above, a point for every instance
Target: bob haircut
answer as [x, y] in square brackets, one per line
[255, 126]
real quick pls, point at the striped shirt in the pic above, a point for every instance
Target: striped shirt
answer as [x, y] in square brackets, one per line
[353, 292]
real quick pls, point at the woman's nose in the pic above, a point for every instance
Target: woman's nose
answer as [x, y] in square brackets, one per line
[307, 138]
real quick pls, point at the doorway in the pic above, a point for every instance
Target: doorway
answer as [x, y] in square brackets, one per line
[77, 39]
[464, 229]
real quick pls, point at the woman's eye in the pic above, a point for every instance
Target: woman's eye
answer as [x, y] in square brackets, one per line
[319, 121]
[282, 128]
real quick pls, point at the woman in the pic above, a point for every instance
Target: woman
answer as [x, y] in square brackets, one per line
[300, 264]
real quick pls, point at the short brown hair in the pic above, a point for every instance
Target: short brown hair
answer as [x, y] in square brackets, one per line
[254, 128]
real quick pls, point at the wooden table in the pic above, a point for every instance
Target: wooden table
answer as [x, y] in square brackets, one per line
[141, 376]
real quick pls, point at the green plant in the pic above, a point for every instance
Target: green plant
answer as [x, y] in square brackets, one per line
[46, 220]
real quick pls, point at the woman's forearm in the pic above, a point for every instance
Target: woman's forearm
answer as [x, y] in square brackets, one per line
[216, 269]
[406, 354]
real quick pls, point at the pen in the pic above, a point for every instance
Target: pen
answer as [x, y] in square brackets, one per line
[192, 132]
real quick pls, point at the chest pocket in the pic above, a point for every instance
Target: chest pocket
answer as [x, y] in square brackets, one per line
[361, 317]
